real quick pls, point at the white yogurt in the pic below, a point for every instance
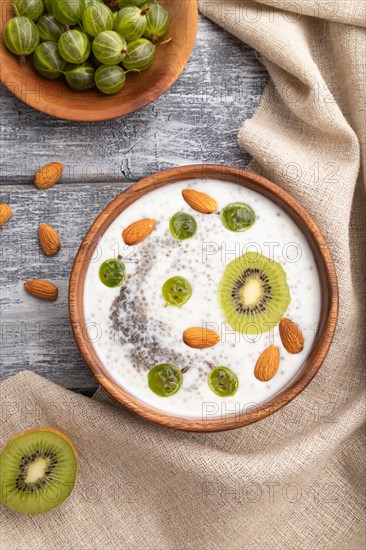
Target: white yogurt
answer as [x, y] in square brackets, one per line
[132, 330]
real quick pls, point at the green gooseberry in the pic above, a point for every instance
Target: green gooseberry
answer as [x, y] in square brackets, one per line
[131, 22]
[21, 35]
[177, 291]
[141, 54]
[112, 273]
[110, 79]
[80, 77]
[223, 381]
[68, 12]
[32, 9]
[237, 216]
[48, 61]
[74, 46]
[49, 28]
[109, 47]
[138, 3]
[183, 226]
[87, 3]
[97, 18]
[157, 21]
[165, 380]
[48, 5]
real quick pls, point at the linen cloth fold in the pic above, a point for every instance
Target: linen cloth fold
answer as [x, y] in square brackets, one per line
[295, 479]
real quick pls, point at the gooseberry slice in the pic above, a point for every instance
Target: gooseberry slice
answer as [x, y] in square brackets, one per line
[223, 381]
[177, 291]
[112, 273]
[165, 380]
[237, 216]
[183, 226]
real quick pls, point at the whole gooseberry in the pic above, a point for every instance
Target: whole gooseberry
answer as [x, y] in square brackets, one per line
[68, 12]
[140, 55]
[87, 3]
[130, 22]
[21, 35]
[97, 18]
[138, 3]
[109, 47]
[32, 9]
[80, 77]
[74, 46]
[48, 5]
[47, 60]
[49, 28]
[157, 21]
[110, 79]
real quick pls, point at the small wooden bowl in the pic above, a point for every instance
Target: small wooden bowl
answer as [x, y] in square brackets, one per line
[327, 274]
[55, 98]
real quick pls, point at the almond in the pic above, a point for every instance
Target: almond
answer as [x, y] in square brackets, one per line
[138, 231]
[44, 290]
[199, 337]
[267, 364]
[291, 336]
[48, 239]
[199, 201]
[48, 175]
[5, 213]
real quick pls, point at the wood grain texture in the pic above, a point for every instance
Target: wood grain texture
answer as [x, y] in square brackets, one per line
[323, 259]
[196, 120]
[37, 335]
[54, 97]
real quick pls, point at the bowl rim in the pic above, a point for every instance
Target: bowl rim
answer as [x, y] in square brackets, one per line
[326, 270]
[8, 77]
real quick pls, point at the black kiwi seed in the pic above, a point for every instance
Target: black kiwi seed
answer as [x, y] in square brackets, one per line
[247, 274]
[26, 461]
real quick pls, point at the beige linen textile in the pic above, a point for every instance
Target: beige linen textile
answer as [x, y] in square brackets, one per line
[294, 480]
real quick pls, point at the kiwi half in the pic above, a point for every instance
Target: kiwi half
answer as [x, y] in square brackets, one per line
[253, 293]
[38, 470]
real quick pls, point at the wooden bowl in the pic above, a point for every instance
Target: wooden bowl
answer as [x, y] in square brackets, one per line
[55, 98]
[327, 274]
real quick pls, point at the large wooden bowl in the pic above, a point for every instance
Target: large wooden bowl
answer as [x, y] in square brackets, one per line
[55, 98]
[328, 279]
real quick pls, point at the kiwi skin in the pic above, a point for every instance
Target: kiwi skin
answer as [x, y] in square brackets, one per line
[43, 429]
[34, 430]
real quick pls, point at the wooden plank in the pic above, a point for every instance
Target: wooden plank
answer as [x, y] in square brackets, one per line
[36, 335]
[196, 120]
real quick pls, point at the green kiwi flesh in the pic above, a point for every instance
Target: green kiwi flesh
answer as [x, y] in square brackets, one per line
[38, 471]
[253, 293]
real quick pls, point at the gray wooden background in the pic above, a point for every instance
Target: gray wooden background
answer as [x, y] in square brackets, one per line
[197, 120]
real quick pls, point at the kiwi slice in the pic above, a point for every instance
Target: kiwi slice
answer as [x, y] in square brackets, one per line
[253, 293]
[38, 470]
